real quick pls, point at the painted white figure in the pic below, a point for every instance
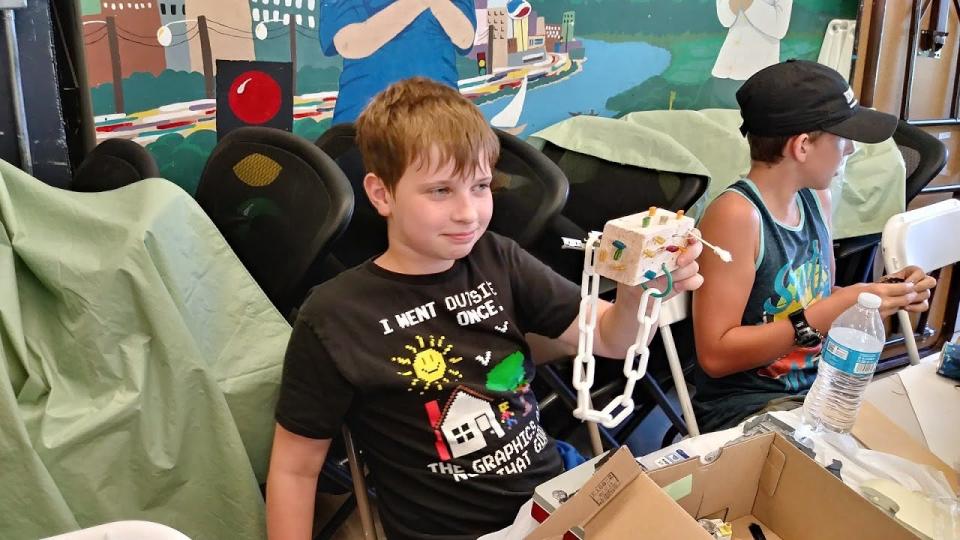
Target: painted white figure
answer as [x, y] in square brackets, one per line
[753, 41]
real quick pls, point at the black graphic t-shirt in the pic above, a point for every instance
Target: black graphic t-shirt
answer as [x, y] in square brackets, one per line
[432, 374]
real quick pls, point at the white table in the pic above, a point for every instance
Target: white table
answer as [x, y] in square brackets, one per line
[923, 404]
[888, 394]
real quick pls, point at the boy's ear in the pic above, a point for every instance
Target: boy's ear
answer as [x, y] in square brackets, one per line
[798, 147]
[378, 194]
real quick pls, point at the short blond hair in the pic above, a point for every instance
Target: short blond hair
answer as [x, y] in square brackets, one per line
[400, 125]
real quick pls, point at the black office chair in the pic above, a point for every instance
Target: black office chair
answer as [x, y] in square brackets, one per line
[279, 202]
[924, 156]
[601, 190]
[530, 191]
[114, 163]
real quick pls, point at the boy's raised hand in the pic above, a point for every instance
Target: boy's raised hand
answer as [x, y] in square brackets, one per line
[921, 287]
[686, 277]
[897, 296]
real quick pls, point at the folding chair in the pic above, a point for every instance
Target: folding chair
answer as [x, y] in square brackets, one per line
[925, 237]
[924, 156]
[674, 310]
[280, 202]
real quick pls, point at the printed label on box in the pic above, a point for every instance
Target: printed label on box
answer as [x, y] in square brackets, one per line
[605, 489]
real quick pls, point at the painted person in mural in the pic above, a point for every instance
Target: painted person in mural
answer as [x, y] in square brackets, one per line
[433, 375]
[753, 39]
[759, 321]
[384, 41]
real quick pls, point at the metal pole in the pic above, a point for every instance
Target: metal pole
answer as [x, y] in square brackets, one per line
[115, 69]
[872, 61]
[912, 44]
[293, 52]
[206, 55]
[359, 487]
[16, 91]
[88, 134]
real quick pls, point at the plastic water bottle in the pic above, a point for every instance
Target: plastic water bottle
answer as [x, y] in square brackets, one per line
[847, 363]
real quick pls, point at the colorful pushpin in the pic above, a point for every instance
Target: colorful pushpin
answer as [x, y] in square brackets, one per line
[652, 211]
[679, 214]
[660, 240]
[620, 246]
[649, 274]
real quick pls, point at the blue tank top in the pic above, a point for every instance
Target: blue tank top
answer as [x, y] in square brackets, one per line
[792, 272]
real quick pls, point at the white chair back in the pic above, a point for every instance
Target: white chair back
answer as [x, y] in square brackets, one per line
[124, 530]
[927, 237]
[675, 309]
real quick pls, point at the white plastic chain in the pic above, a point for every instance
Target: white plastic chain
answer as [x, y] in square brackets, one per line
[584, 364]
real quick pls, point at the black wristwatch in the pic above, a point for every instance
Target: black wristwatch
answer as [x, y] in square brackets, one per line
[804, 334]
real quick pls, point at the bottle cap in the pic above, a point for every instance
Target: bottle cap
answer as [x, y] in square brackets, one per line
[869, 300]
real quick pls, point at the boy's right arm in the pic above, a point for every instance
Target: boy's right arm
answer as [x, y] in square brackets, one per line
[313, 402]
[724, 347]
[295, 464]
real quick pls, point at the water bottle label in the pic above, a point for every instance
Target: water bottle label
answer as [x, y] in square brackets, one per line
[849, 360]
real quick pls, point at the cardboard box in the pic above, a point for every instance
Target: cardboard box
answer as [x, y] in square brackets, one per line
[619, 501]
[548, 496]
[764, 480]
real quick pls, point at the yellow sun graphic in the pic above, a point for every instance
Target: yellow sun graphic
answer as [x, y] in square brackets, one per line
[429, 364]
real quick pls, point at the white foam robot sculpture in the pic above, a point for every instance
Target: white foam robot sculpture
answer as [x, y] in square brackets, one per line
[632, 250]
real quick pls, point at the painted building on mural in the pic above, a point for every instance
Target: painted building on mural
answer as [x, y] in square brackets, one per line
[274, 20]
[121, 33]
[228, 30]
[173, 19]
[498, 24]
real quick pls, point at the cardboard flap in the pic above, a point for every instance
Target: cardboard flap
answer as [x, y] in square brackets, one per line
[643, 510]
[615, 475]
[772, 469]
[674, 473]
[724, 488]
[877, 432]
[809, 502]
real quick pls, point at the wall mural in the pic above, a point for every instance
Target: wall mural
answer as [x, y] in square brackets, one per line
[527, 64]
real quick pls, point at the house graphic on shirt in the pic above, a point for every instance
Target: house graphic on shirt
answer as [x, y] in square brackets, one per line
[467, 421]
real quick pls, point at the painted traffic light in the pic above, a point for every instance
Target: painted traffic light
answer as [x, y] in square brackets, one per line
[254, 94]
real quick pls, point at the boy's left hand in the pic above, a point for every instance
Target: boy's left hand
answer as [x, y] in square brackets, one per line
[922, 283]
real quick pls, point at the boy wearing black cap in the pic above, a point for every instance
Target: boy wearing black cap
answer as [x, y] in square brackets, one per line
[759, 321]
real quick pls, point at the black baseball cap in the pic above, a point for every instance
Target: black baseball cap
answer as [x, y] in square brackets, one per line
[799, 96]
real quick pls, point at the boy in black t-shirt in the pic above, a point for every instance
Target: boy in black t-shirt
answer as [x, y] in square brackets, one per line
[421, 351]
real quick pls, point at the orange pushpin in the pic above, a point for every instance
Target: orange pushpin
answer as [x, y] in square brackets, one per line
[679, 214]
[653, 210]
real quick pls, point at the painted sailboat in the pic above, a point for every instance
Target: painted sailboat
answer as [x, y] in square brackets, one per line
[509, 118]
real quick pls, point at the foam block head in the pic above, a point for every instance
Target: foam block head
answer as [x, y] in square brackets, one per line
[634, 248]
